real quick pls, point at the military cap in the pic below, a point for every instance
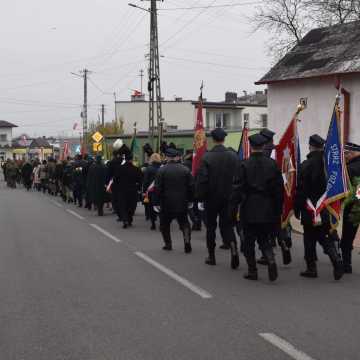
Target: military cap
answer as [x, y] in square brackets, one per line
[218, 134]
[352, 147]
[257, 140]
[171, 153]
[316, 141]
[267, 133]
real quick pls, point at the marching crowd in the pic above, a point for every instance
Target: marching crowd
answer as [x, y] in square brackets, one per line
[243, 197]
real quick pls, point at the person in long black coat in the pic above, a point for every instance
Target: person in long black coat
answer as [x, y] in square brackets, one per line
[214, 181]
[349, 230]
[174, 192]
[259, 188]
[149, 178]
[97, 184]
[310, 188]
[26, 173]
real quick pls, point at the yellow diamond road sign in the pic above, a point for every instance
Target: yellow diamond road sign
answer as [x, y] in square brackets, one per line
[97, 137]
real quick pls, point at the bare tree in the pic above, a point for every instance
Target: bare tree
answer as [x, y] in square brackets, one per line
[331, 12]
[285, 20]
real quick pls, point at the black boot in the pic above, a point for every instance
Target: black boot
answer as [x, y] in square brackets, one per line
[210, 260]
[235, 261]
[311, 270]
[346, 256]
[153, 225]
[224, 247]
[167, 240]
[196, 227]
[336, 262]
[252, 270]
[187, 240]
[272, 267]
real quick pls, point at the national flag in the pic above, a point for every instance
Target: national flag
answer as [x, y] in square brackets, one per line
[244, 147]
[75, 126]
[335, 169]
[66, 150]
[137, 93]
[287, 158]
[200, 142]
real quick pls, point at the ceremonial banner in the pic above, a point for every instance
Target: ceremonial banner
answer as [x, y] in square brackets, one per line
[287, 158]
[336, 175]
[135, 149]
[66, 150]
[200, 143]
[244, 147]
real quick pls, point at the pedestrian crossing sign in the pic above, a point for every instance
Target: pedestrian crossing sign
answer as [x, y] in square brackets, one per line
[97, 137]
[97, 147]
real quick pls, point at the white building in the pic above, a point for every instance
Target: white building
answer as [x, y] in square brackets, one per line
[6, 137]
[181, 114]
[311, 71]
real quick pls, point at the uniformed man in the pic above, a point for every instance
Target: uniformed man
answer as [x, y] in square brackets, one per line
[352, 155]
[311, 187]
[258, 187]
[213, 187]
[269, 147]
[173, 195]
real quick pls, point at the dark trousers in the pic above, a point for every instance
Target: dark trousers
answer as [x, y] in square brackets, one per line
[166, 220]
[260, 233]
[195, 215]
[313, 235]
[78, 194]
[348, 236]
[126, 205]
[100, 207]
[215, 210]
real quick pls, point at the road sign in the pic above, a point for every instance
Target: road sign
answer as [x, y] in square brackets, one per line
[97, 137]
[97, 147]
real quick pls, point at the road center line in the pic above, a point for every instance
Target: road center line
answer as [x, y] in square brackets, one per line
[197, 290]
[104, 232]
[75, 214]
[285, 346]
[56, 203]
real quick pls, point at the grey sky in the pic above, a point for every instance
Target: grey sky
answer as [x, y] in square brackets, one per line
[44, 40]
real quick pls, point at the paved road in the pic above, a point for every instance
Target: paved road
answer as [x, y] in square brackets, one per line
[77, 287]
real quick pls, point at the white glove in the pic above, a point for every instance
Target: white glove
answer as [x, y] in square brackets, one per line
[190, 205]
[157, 209]
[201, 206]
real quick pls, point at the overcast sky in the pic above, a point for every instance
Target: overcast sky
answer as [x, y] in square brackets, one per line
[44, 40]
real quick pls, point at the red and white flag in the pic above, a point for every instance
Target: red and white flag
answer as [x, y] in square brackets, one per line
[66, 150]
[200, 142]
[287, 158]
[75, 126]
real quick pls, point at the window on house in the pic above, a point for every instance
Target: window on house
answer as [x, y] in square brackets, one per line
[246, 119]
[264, 120]
[207, 120]
[3, 137]
[218, 120]
[226, 123]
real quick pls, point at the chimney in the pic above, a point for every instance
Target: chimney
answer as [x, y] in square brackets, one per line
[230, 97]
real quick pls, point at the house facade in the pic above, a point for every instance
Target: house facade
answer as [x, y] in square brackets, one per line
[325, 63]
[6, 137]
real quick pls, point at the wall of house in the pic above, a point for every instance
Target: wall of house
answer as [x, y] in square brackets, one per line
[175, 113]
[230, 119]
[283, 99]
[255, 116]
[8, 133]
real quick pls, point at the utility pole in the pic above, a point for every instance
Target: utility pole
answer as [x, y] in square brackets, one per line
[141, 77]
[103, 115]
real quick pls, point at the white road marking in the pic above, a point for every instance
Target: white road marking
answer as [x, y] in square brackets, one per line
[75, 214]
[285, 346]
[104, 232]
[56, 203]
[197, 290]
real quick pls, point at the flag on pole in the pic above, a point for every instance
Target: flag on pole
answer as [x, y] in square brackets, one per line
[200, 143]
[287, 158]
[244, 147]
[65, 150]
[134, 148]
[75, 126]
[335, 168]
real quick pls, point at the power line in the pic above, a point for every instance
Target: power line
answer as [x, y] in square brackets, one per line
[211, 6]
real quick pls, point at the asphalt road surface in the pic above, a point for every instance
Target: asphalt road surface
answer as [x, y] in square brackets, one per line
[78, 287]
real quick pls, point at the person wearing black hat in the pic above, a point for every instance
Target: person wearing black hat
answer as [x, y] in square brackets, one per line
[269, 146]
[127, 179]
[173, 195]
[349, 231]
[213, 188]
[311, 187]
[259, 189]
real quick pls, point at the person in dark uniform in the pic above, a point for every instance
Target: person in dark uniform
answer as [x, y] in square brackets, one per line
[79, 183]
[352, 155]
[310, 188]
[269, 146]
[127, 180]
[259, 188]
[174, 193]
[26, 173]
[97, 184]
[213, 187]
